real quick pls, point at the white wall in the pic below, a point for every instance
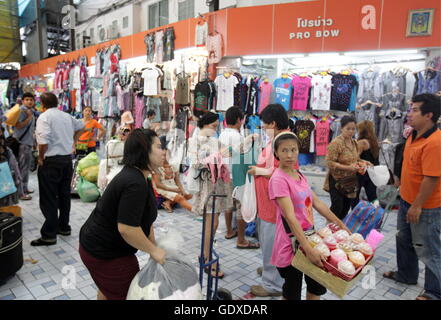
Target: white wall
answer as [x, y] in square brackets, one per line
[250, 3]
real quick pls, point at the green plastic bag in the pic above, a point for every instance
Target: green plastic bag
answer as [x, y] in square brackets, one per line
[90, 174]
[87, 191]
[90, 160]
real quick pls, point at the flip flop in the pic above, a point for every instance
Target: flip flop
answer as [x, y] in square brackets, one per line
[423, 297]
[392, 275]
[250, 245]
[231, 237]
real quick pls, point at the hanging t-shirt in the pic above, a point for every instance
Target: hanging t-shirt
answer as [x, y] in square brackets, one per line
[183, 90]
[304, 129]
[342, 86]
[201, 34]
[225, 92]
[159, 46]
[149, 41]
[214, 48]
[322, 129]
[283, 89]
[321, 92]
[169, 44]
[150, 77]
[300, 97]
[265, 95]
[203, 98]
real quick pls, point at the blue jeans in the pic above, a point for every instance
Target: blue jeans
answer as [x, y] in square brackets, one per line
[420, 242]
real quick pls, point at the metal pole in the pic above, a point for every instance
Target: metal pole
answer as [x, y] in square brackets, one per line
[39, 30]
[72, 31]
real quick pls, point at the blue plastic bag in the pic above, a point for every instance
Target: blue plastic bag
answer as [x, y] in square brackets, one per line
[7, 185]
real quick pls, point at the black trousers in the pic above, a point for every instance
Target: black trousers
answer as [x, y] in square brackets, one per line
[340, 204]
[369, 187]
[54, 179]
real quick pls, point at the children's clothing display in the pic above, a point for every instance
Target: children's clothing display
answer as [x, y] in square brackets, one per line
[283, 90]
[301, 85]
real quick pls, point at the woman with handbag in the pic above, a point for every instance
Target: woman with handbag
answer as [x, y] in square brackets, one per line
[344, 162]
[369, 151]
[87, 141]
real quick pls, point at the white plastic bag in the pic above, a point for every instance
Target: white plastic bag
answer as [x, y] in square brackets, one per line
[379, 175]
[249, 202]
[192, 184]
[176, 279]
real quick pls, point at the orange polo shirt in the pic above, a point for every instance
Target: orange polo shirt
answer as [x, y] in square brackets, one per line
[422, 157]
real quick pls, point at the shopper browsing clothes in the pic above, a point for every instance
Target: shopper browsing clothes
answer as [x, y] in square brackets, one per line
[204, 152]
[122, 221]
[232, 138]
[419, 215]
[24, 133]
[275, 120]
[55, 133]
[368, 150]
[344, 163]
[294, 199]
[87, 141]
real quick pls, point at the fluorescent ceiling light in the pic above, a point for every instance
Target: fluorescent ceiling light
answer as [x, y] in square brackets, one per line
[49, 75]
[379, 53]
[275, 56]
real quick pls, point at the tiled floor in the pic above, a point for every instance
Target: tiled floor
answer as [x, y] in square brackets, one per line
[59, 274]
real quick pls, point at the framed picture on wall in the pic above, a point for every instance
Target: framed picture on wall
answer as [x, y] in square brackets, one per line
[420, 23]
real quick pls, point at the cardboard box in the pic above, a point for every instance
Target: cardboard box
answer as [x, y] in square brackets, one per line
[15, 210]
[333, 283]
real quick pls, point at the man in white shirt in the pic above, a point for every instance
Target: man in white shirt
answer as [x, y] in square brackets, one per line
[56, 132]
[231, 137]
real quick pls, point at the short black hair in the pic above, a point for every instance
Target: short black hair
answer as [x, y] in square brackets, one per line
[207, 118]
[275, 112]
[49, 100]
[346, 120]
[151, 112]
[233, 114]
[284, 137]
[28, 95]
[138, 147]
[431, 103]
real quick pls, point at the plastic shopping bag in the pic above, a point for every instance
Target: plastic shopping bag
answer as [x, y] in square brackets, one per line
[176, 279]
[192, 184]
[12, 115]
[249, 202]
[379, 175]
[90, 160]
[87, 191]
[90, 174]
[7, 185]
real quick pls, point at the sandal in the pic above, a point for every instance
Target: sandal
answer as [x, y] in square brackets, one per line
[231, 237]
[392, 275]
[166, 207]
[423, 297]
[250, 245]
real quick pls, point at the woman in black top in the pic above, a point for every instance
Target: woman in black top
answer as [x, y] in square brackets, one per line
[122, 221]
[369, 150]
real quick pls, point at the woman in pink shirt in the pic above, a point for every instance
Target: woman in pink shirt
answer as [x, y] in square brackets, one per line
[294, 199]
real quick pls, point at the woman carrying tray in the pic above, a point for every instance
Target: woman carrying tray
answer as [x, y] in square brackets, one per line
[295, 200]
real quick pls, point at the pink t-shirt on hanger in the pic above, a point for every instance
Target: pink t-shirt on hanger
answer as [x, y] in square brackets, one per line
[301, 87]
[265, 94]
[322, 130]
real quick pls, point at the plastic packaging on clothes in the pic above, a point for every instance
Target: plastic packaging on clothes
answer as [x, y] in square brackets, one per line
[176, 279]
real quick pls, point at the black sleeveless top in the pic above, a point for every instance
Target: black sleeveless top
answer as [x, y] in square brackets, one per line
[368, 156]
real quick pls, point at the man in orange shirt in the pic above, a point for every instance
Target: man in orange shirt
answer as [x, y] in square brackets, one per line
[419, 217]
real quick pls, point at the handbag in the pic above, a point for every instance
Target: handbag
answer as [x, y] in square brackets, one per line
[14, 143]
[347, 185]
[7, 185]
